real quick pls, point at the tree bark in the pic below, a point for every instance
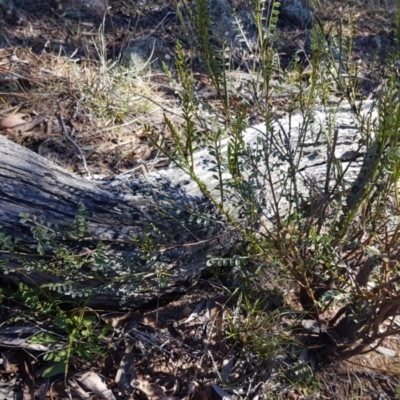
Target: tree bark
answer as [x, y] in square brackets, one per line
[163, 209]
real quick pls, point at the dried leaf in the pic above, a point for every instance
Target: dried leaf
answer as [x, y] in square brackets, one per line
[17, 124]
[216, 311]
[19, 330]
[194, 393]
[221, 392]
[6, 389]
[12, 121]
[95, 383]
[385, 351]
[125, 373]
[9, 367]
[78, 390]
[19, 363]
[42, 391]
[226, 369]
[116, 321]
[29, 382]
[193, 387]
[21, 343]
[27, 126]
[313, 326]
[195, 312]
[153, 391]
[293, 395]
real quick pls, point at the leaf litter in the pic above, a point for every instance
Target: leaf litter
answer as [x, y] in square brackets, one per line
[179, 350]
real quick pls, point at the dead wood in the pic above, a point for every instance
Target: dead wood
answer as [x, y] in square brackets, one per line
[165, 206]
[118, 215]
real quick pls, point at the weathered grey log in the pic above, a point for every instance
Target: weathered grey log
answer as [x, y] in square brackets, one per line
[165, 206]
[117, 215]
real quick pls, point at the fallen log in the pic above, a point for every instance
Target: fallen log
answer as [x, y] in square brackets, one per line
[157, 230]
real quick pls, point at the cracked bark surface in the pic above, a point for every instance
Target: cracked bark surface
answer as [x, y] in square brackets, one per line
[118, 215]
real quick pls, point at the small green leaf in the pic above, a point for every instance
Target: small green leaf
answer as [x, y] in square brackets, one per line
[42, 337]
[61, 322]
[55, 369]
[24, 217]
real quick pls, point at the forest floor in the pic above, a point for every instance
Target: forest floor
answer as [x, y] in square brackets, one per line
[62, 63]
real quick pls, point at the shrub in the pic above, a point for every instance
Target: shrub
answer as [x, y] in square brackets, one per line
[334, 241]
